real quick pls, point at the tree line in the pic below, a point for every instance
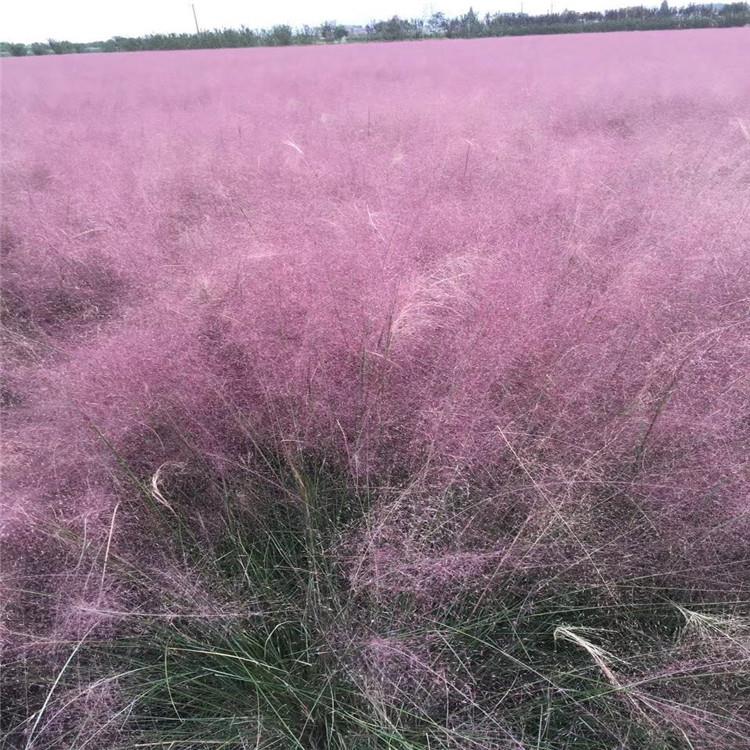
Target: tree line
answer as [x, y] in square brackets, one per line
[467, 26]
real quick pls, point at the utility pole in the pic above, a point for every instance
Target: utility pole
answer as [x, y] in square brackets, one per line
[195, 18]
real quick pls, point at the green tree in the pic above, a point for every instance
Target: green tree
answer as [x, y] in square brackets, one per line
[437, 23]
[281, 35]
[392, 29]
[64, 47]
[328, 30]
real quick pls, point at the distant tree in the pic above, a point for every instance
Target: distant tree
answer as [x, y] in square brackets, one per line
[38, 48]
[437, 23]
[391, 29]
[730, 9]
[328, 30]
[64, 47]
[471, 24]
[306, 35]
[333, 32]
[467, 26]
[281, 35]
[664, 8]
[17, 50]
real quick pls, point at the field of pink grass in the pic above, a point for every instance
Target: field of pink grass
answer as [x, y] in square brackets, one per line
[512, 271]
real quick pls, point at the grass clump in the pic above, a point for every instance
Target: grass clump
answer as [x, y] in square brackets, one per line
[250, 630]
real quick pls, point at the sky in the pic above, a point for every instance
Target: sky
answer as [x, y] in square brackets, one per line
[89, 20]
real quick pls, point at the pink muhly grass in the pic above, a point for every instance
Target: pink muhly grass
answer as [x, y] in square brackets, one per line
[499, 288]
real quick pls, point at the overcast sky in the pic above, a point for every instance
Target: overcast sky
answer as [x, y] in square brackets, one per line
[88, 20]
